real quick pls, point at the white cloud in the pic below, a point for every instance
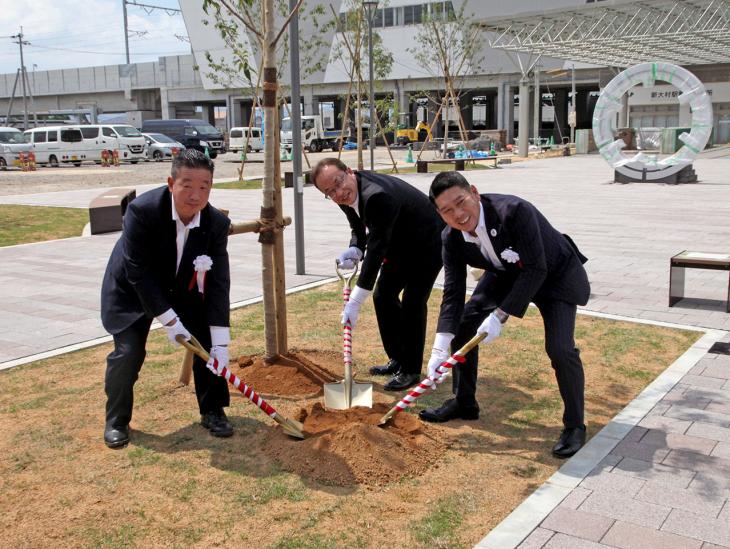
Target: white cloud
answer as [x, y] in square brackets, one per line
[59, 31]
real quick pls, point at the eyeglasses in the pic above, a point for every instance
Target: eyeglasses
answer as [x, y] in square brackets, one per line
[338, 181]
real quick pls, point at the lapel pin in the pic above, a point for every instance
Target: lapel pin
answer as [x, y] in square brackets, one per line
[493, 232]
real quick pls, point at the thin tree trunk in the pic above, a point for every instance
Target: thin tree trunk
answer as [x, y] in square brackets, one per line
[271, 161]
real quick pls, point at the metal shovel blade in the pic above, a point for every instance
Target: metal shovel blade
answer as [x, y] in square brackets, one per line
[337, 396]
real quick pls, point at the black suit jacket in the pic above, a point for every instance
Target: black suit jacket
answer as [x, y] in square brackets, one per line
[140, 277]
[550, 265]
[395, 222]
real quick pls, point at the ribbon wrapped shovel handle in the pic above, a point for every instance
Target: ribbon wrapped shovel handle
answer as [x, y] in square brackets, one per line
[289, 426]
[431, 381]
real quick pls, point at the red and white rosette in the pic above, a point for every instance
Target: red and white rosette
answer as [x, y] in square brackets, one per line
[202, 264]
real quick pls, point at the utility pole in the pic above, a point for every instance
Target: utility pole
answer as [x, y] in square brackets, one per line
[538, 104]
[126, 30]
[296, 150]
[23, 76]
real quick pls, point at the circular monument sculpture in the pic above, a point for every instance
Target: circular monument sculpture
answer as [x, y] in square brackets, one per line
[646, 167]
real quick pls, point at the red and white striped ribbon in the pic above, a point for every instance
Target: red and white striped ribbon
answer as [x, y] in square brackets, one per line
[347, 331]
[247, 391]
[430, 382]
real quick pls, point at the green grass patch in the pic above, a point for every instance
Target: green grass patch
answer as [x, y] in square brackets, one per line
[25, 224]
[438, 528]
[244, 185]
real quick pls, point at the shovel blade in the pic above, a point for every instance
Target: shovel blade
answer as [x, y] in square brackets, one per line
[337, 398]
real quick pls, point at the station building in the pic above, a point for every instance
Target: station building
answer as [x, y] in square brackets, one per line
[552, 46]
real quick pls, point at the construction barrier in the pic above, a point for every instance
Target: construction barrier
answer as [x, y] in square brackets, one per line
[105, 158]
[115, 157]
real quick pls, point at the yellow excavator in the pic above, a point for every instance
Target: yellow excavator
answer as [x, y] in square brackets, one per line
[406, 133]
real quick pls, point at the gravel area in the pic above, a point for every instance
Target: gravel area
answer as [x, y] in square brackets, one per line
[89, 176]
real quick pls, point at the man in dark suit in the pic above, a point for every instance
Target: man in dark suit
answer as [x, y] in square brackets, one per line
[171, 263]
[525, 259]
[398, 232]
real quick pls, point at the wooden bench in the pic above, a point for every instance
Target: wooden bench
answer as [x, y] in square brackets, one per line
[422, 165]
[694, 260]
[107, 209]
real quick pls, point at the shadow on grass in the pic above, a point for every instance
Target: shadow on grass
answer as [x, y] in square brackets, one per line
[242, 454]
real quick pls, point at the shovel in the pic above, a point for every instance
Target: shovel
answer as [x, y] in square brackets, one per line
[347, 393]
[291, 427]
[431, 381]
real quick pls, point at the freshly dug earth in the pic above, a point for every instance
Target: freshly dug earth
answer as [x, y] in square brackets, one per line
[346, 447]
[300, 374]
[177, 486]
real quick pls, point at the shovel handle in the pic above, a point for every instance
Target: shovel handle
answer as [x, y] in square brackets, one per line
[291, 427]
[346, 278]
[432, 381]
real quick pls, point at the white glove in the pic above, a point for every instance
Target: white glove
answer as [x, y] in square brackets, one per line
[352, 307]
[491, 326]
[439, 353]
[220, 354]
[177, 329]
[349, 258]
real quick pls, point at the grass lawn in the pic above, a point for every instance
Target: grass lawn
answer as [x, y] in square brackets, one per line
[236, 184]
[24, 224]
[176, 486]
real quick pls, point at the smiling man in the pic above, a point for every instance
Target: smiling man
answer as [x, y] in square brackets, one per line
[398, 232]
[525, 259]
[171, 263]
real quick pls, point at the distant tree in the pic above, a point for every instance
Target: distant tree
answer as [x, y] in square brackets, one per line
[448, 46]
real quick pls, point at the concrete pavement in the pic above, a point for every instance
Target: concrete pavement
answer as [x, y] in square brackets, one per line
[657, 475]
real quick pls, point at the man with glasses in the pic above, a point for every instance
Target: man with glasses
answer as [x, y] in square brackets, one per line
[398, 232]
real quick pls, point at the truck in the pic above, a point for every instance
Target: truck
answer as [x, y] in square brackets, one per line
[314, 137]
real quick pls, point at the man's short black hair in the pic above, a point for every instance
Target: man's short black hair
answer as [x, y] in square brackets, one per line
[191, 158]
[444, 181]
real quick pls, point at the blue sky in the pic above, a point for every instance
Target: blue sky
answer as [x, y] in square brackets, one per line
[85, 33]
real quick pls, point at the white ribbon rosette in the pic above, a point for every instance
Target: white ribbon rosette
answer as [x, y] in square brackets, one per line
[510, 256]
[203, 264]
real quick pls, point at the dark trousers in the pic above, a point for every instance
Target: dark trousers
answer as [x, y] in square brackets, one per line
[125, 361]
[402, 320]
[559, 323]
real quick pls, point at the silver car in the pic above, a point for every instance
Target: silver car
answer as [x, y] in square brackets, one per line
[160, 147]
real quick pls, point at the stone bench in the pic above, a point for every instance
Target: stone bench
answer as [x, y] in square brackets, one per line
[107, 210]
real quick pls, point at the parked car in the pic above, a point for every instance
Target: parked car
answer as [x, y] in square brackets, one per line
[240, 136]
[193, 133]
[12, 143]
[160, 146]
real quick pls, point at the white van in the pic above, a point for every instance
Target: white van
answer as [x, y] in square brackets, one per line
[237, 139]
[126, 139]
[12, 143]
[54, 145]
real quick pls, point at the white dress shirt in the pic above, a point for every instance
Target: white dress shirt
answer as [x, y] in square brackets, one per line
[219, 335]
[482, 240]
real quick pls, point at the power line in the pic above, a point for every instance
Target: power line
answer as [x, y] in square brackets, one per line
[104, 52]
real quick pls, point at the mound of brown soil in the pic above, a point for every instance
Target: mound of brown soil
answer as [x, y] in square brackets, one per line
[296, 375]
[346, 447]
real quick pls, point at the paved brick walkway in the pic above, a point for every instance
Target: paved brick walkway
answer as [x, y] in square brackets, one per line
[657, 475]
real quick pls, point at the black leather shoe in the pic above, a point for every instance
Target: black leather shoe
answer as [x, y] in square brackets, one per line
[217, 423]
[392, 368]
[571, 440]
[116, 437]
[402, 381]
[449, 410]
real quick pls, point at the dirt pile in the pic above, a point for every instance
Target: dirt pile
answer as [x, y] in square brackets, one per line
[298, 375]
[346, 447]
